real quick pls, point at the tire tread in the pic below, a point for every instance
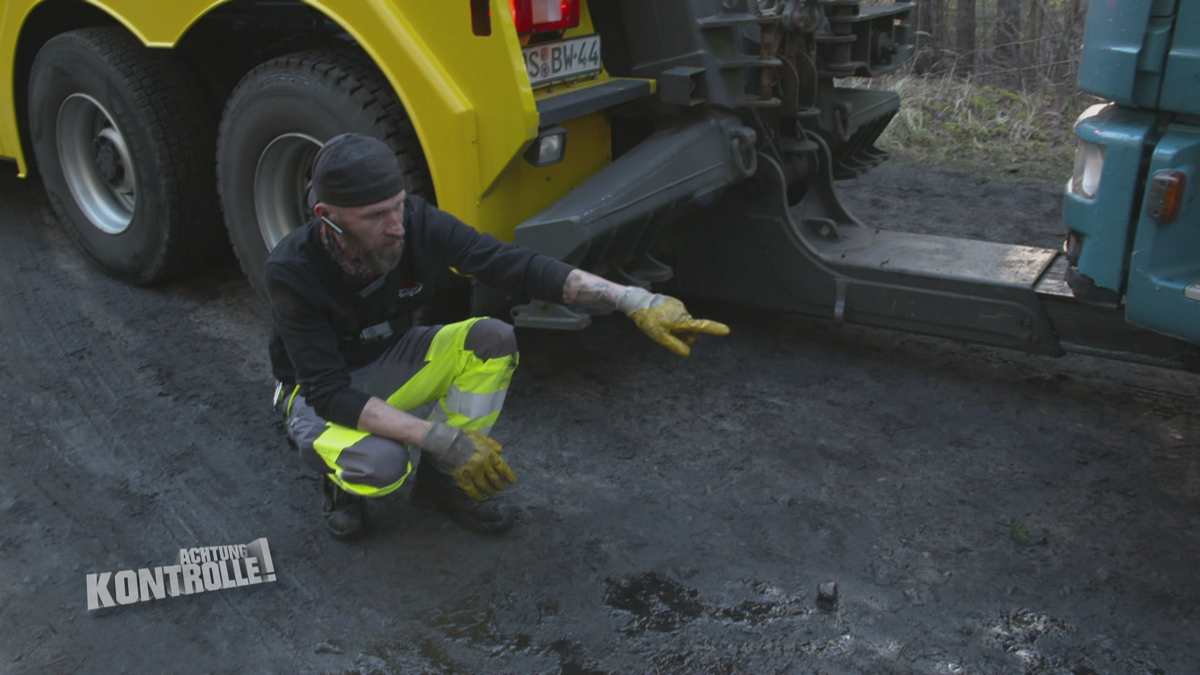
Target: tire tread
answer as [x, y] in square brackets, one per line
[168, 100]
[351, 74]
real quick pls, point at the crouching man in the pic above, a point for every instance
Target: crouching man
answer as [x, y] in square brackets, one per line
[350, 363]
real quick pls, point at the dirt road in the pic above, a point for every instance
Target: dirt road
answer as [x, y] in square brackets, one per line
[980, 511]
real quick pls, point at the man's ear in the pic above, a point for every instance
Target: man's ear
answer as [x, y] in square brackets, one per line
[322, 212]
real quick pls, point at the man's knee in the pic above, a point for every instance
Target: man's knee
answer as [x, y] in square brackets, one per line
[491, 339]
[374, 461]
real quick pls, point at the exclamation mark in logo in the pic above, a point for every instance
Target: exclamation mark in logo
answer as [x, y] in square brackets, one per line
[268, 566]
[259, 549]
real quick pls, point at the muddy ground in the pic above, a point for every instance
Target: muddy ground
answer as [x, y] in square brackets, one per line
[981, 511]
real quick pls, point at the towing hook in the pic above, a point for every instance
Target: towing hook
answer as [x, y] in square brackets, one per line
[745, 155]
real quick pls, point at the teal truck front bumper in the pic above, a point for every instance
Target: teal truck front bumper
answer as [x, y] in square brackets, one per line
[1122, 253]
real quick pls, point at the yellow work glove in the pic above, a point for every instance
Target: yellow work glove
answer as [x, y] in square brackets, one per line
[473, 459]
[666, 320]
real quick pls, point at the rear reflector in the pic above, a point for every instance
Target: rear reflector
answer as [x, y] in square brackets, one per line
[1165, 199]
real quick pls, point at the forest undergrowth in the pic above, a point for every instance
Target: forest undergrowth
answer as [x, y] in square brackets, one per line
[957, 124]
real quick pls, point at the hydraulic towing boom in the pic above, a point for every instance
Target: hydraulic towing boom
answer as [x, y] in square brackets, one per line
[739, 176]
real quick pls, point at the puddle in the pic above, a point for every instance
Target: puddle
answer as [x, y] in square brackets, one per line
[657, 603]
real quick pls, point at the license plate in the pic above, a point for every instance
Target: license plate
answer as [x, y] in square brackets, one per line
[568, 59]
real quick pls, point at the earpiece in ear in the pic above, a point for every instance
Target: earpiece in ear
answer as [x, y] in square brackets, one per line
[332, 224]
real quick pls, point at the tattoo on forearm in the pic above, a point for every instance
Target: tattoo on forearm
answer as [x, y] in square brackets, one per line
[587, 289]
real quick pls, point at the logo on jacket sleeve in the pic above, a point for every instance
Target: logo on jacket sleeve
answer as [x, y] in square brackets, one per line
[409, 289]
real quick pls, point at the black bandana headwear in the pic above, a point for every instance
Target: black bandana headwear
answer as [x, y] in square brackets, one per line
[354, 170]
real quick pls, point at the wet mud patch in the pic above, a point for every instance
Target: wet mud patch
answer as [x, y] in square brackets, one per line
[752, 612]
[572, 660]
[451, 642]
[770, 603]
[663, 605]
[707, 636]
[656, 602]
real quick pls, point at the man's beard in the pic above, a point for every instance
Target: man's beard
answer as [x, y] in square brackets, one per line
[380, 261]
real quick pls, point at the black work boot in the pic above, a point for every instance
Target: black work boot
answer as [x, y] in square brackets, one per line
[436, 490]
[345, 514]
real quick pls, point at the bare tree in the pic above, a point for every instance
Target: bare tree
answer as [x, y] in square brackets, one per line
[1012, 44]
[931, 36]
[964, 34]
[1034, 37]
[1008, 33]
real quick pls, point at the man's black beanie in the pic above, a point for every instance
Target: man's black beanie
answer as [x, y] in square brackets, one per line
[354, 170]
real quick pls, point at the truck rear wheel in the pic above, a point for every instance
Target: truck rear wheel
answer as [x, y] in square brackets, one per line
[276, 120]
[122, 143]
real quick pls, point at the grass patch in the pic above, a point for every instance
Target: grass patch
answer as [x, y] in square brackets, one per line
[955, 124]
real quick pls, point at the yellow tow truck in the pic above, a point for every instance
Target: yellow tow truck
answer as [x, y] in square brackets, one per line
[142, 117]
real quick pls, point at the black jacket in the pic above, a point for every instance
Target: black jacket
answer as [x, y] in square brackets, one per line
[318, 316]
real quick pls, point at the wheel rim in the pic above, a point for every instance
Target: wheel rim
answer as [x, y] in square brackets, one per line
[281, 185]
[96, 163]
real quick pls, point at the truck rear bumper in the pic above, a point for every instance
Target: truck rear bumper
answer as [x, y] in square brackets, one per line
[609, 222]
[577, 102]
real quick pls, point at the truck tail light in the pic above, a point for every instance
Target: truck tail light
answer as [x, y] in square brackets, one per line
[541, 16]
[1165, 199]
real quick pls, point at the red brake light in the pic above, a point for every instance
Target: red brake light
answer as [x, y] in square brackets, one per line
[522, 13]
[540, 16]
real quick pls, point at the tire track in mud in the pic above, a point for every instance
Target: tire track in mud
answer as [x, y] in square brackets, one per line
[100, 473]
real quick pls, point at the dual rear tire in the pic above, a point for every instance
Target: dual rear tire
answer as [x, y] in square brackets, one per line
[125, 142]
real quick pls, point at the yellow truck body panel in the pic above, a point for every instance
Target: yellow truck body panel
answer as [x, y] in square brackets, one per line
[468, 96]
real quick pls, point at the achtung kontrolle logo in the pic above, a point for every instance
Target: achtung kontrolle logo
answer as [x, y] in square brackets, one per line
[208, 568]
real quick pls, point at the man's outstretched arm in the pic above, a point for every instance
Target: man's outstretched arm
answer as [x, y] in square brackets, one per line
[586, 289]
[662, 317]
[514, 269]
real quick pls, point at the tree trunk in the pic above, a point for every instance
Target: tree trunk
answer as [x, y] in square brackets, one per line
[964, 34]
[931, 36]
[1008, 34]
[1034, 38]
